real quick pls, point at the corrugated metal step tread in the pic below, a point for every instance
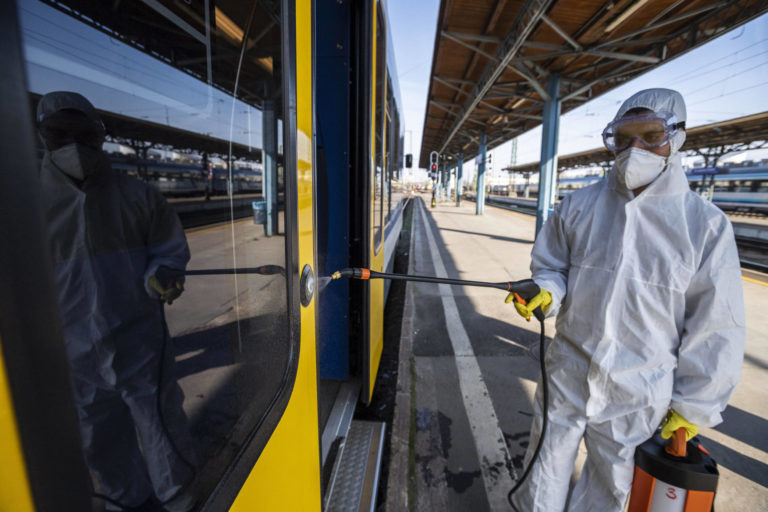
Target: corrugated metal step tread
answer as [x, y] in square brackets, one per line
[356, 476]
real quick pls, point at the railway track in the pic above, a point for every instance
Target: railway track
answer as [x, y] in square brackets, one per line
[753, 251]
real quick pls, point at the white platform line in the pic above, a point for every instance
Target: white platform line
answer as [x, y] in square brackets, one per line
[489, 440]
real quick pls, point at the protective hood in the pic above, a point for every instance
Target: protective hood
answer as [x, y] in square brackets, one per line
[659, 100]
[57, 101]
[73, 134]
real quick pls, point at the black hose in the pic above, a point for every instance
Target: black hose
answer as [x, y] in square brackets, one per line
[159, 401]
[525, 290]
[545, 396]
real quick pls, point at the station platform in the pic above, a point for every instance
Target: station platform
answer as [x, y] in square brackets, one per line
[469, 365]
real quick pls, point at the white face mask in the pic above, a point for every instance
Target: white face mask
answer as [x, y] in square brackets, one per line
[638, 167]
[77, 160]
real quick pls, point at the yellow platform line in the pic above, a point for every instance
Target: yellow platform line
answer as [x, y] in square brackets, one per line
[763, 283]
[219, 226]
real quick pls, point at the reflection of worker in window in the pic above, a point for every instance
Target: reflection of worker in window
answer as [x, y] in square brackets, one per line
[116, 248]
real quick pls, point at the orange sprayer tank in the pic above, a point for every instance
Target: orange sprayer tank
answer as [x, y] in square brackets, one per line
[673, 479]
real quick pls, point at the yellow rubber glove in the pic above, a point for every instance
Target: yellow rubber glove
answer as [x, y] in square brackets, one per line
[543, 299]
[167, 294]
[674, 421]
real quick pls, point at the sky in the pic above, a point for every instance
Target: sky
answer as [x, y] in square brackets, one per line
[726, 78]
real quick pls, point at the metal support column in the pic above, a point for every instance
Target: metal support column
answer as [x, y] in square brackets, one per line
[269, 163]
[459, 172]
[447, 177]
[480, 204]
[548, 166]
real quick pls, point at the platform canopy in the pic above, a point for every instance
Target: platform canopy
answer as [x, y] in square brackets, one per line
[131, 131]
[493, 59]
[738, 134]
[205, 45]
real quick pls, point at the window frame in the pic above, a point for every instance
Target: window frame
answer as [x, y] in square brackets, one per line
[380, 120]
[230, 484]
[44, 409]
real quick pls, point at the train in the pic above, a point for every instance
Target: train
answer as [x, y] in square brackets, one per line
[180, 179]
[738, 189]
[733, 189]
[265, 369]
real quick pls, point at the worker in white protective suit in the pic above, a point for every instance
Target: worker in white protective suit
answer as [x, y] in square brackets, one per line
[117, 251]
[644, 277]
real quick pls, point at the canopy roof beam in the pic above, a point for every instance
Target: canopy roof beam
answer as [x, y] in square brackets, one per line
[668, 21]
[527, 20]
[449, 35]
[462, 91]
[473, 37]
[554, 26]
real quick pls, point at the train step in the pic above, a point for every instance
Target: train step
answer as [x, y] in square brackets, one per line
[355, 477]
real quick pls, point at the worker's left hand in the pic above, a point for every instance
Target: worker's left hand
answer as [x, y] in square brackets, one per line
[168, 283]
[543, 299]
[674, 421]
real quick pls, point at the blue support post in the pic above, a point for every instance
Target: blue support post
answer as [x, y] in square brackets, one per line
[548, 163]
[447, 181]
[269, 166]
[480, 204]
[459, 172]
[440, 182]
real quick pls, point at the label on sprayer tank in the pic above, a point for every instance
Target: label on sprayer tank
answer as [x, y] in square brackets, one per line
[667, 498]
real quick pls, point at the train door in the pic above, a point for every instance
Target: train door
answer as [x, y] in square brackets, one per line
[366, 186]
[158, 347]
[338, 378]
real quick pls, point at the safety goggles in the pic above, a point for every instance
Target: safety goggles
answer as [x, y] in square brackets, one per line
[652, 130]
[67, 127]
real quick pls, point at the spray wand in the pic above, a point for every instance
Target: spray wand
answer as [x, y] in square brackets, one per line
[523, 291]
[264, 270]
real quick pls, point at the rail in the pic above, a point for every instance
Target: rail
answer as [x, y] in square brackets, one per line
[742, 242]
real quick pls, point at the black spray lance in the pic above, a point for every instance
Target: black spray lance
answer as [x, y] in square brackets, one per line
[264, 270]
[523, 291]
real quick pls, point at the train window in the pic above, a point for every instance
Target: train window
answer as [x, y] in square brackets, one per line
[169, 264]
[395, 187]
[381, 123]
[762, 186]
[390, 148]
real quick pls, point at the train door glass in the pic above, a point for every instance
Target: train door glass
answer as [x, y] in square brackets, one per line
[177, 170]
[380, 158]
[388, 144]
[395, 188]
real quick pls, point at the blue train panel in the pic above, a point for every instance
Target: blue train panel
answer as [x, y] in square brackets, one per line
[332, 49]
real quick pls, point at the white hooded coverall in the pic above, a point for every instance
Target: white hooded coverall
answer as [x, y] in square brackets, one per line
[108, 235]
[651, 317]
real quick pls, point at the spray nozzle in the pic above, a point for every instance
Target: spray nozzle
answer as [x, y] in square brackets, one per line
[354, 273]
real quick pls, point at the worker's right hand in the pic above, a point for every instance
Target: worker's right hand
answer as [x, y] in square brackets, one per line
[168, 283]
[674, 421]
[543, 299]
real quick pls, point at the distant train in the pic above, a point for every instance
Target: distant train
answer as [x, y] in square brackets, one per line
[743, 189]
[190, 179]
[739, 189]
[565, 186]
